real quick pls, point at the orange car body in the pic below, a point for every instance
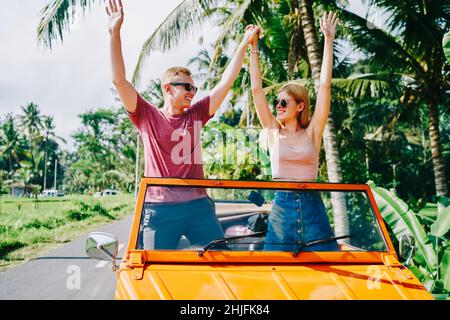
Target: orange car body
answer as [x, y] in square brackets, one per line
[253, 275]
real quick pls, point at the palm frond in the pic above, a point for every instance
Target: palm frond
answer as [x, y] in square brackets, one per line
[281, 45]
[56, 17]
[417, 22]
[184, 20]
[230, 27]
[234, 21]
[368, 85]
[383, 48]
[203, 60]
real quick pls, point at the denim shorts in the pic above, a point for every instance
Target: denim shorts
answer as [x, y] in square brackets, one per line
[298, 218]
[163, 224]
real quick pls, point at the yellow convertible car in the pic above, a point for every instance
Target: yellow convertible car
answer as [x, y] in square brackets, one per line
[365, 264]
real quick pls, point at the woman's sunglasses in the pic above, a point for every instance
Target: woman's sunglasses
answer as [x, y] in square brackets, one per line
[283, 102]
[187, 86]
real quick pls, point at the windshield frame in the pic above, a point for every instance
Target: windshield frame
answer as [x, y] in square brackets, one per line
[215, 256]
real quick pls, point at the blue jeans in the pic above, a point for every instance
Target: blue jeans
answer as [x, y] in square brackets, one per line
[163, 224]
[296, 219]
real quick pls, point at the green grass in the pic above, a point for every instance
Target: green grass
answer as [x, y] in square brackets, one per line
[29, 228]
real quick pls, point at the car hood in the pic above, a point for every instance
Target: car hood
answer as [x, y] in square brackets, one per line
[316, 282]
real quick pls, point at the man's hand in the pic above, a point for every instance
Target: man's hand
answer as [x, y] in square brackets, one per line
[219, 92]
[252, 34]
[115, 16]
[127, 93]
[328, 24]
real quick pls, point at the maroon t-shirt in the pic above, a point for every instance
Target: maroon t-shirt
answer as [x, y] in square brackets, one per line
[172, 147]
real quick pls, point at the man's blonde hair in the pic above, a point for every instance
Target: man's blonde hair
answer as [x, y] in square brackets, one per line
[172, 72]
[300, 94]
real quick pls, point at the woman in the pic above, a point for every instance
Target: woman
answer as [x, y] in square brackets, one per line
[297, 218]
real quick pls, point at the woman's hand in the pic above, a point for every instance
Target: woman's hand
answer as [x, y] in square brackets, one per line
[251, 36]
[115, 16]
[328, 24]
[255, 37]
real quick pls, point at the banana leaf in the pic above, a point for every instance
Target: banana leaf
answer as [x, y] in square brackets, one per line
[442, 224]
[429, 212]
[403, 221]
[445, 201]
[445, 270]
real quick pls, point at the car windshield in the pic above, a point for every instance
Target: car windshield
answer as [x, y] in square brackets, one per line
[255, 219]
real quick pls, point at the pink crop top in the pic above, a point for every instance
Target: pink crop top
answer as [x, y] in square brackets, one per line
[292, 163]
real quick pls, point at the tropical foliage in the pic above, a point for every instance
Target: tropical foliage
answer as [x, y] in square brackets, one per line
[410, 43]
[28, 145]
[105, 153]
[431, 232]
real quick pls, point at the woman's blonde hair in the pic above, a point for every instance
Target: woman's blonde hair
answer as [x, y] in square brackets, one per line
[300, 94]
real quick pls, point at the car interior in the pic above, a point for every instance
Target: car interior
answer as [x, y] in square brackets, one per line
[244, 215]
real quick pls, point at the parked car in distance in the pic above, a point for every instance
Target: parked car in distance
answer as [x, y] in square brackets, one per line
[52, 193]
[106, 192]
[364, 266]
[110, 192]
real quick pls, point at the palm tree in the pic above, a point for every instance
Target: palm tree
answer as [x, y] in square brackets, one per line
[48, 126]
[203, 61]
[411, 44]
[31, 122]
[10, 137]
[25, 174]
[154, 93]
[211, 72]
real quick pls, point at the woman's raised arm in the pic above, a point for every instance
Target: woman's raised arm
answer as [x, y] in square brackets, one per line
[265, 116]
[328, 25]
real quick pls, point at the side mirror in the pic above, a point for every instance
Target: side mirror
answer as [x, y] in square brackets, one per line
[102, 246]
[407, 247]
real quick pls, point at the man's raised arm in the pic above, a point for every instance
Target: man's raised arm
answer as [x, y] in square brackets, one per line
[127, 93]
[219, 92]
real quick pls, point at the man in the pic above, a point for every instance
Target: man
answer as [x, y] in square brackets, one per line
[172, 146]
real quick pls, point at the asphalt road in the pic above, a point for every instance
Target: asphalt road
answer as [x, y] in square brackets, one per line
[66, 273]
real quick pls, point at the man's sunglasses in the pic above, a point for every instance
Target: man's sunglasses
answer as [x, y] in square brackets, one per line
[283, 102]
[187, 86]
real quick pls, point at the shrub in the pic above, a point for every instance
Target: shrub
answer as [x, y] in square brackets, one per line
[77, 215]
[50, 223]
[86, 211]
[7, 246]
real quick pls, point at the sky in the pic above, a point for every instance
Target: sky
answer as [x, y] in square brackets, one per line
[75, 77]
